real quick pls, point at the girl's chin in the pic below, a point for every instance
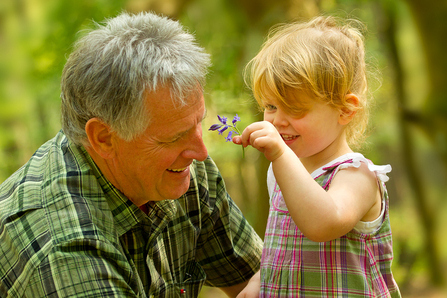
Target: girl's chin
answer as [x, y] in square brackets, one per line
[289, 142]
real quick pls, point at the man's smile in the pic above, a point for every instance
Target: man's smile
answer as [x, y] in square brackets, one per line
[177, 170]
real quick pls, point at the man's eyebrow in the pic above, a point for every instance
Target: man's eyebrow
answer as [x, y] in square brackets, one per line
[180, 134]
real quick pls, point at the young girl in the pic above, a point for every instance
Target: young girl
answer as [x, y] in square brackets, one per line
[328, 232]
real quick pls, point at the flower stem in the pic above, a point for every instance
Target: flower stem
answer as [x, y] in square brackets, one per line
[239, 133]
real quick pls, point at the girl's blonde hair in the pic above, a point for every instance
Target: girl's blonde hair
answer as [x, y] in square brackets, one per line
[323, 58]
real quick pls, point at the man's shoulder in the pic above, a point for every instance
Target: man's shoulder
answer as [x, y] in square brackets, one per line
[28, 181]
[56, 189]
[51, 201]
[27, 186]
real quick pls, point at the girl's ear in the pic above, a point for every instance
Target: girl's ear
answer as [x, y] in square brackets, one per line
[348, 112]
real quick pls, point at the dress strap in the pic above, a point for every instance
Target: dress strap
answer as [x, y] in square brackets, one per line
[353, 160]
[327, 170]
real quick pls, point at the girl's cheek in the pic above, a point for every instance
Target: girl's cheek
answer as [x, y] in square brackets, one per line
[268, 117]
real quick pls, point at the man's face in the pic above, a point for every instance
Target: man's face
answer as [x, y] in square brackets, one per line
[155, 166]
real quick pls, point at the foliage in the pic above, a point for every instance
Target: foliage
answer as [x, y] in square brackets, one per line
[36, 37]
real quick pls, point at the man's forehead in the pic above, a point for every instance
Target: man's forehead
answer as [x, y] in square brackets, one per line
[164, 99]
[163, 110]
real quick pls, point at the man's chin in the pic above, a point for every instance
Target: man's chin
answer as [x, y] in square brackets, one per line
[176, 190]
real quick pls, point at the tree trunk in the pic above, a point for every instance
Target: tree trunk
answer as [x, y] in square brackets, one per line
[388, 33]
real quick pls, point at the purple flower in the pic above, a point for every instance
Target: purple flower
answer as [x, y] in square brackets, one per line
[215, 127]
[229, 138]
[224, 126]
[223, 129]
[236, 119]
[222, 119]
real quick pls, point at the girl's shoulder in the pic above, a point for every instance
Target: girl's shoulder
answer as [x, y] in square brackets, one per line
[352, 160]
[324, 174]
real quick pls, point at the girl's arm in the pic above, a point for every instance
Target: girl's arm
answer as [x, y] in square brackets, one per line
[320, 215]
[253, 287]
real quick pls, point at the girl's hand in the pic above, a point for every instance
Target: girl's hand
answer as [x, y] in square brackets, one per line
[253, 287]
[264, 137]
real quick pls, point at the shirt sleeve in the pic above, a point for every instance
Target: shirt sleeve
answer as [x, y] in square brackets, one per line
[229, 250]
[83, 268]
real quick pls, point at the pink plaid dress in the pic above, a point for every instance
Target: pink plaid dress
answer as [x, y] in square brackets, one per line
[357, 264]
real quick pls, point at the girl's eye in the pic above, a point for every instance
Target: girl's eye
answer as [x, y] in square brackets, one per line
[269, 107]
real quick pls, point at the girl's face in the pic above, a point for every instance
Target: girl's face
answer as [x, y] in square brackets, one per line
[317, 134]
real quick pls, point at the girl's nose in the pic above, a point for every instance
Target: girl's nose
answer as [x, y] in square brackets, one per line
[279, 118]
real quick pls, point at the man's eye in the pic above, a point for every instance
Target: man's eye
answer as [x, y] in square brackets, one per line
[171, 141]
[174, 140]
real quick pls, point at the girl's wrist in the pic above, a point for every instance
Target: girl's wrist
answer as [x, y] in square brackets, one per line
[282, 153]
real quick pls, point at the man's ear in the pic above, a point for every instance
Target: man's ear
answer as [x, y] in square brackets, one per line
[347, 113]
[100, 137]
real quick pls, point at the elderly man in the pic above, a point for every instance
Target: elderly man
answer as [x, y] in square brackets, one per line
[124, 201]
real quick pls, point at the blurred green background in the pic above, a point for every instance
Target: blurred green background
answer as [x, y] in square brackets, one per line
[406, 41]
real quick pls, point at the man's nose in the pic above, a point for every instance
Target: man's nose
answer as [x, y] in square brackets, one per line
[197, 149]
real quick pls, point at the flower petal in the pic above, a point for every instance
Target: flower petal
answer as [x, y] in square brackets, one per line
[229, 137]
[236, 119]
[215, 127]
[223, 129]
[222, 119]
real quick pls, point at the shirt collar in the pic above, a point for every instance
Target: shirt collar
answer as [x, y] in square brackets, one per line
[125, 213]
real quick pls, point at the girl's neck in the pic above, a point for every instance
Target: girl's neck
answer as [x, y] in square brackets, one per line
[333, 151]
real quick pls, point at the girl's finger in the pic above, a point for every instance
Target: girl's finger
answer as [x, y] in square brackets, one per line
[237, 140]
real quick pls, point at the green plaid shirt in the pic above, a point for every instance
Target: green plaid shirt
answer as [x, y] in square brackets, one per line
[66, 231]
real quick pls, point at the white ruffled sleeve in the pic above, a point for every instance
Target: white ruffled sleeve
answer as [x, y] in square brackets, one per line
[380, 171]
[271, 181]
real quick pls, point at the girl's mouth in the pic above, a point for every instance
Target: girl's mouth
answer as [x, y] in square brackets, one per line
[288, 137]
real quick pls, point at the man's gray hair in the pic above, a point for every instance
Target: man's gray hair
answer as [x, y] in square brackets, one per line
[114, 65]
